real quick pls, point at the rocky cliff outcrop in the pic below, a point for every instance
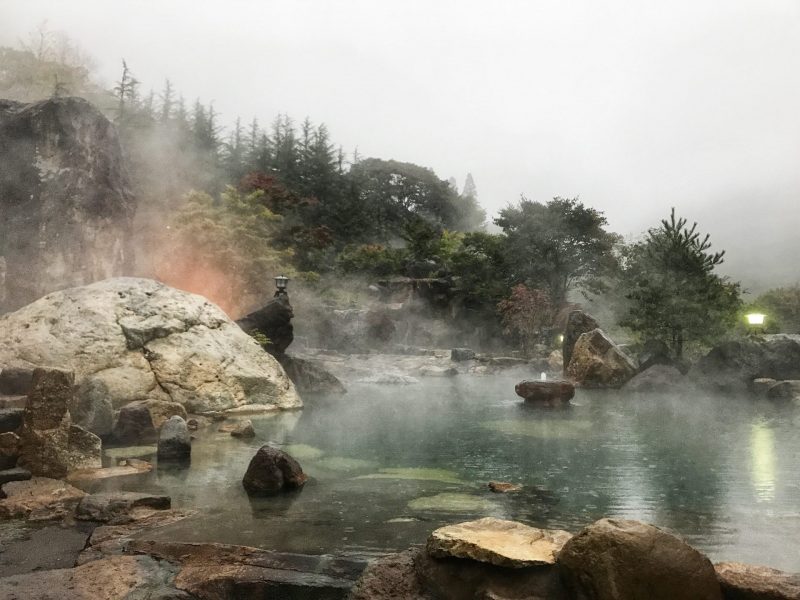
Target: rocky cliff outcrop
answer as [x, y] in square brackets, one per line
[64, 200]
[137, 339]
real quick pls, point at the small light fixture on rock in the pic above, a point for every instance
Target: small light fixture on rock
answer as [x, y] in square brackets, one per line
[755, 319]
[281, 282]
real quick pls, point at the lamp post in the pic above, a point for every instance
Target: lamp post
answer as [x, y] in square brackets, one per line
[755, 321]
[281, 282]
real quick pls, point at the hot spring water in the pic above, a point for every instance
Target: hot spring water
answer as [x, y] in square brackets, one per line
[390, 463]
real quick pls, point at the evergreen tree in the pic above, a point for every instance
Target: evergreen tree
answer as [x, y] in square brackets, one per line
[167, 102]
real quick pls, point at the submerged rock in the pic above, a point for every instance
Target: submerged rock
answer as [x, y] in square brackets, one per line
[462, 354]
[146, 341]
[498, 542]
[272, 471]
[503, 487]
[751, 582]
[174, 442]
[617, 559]
[239, 429]
[548, 393]
[597, 362]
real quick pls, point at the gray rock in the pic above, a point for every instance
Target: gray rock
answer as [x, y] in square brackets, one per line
[146, 341]
[617, 559]
[67, 210]
[760, 385]
[134, 424]
[658, 378]
[239, 429]
[91, 407]
[9, 450]
[11, 419]
[784, 390]
[310, 376]
[461, 354]
[272, 471]
[14, 474]
[390, 577]
[174, 441]
[15, 381]
[578, 323]
[597, 362]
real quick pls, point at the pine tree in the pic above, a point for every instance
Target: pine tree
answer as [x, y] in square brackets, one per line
[167, 102]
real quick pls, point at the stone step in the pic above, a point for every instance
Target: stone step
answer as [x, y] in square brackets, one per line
[13, 401]
[15, 474]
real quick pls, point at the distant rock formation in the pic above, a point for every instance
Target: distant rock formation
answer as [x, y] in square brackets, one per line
[137, 339]
[64, 199]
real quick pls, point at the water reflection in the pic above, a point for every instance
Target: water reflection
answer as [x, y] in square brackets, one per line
[762, 461]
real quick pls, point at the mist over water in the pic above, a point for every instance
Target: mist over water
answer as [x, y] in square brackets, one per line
[390, 463]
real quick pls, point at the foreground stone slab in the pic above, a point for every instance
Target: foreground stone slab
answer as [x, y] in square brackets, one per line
[751, 582]
[39, 499]
[112, 578]
[391, 577]
[618, 559]
[498, 542]
[118, 507]
[220, 571]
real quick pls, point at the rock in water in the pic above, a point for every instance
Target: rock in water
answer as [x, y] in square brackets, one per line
[578, 323]
[146, 341]
[50, 445]
[597, 362]
[67, 209]
[272, 471]
[548, 393]
[658, 378]
[462, 354]
[174, 442]
[751, 582]
[239, 429]
[498, 542]
[617, 559]
[310, 376]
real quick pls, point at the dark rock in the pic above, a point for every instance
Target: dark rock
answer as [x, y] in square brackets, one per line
[617, 559]
[134, 424]
[733, 365]
[272, 471]
[174, 442]
[578, 323]
[9, 450]
[220, 571]
[548, 393]
[115, 508]
[462, 354]
[597, 362]
[54, 546]
[310, 376]
[67, 210]
[784, 390]
[761, 385]
[11, 419]
[750, 582]
[380, 326]
[14, 474]
[464, 579]
[390, 577]
[273, 321]
[50, 445]
[658, 378]
[15, 381]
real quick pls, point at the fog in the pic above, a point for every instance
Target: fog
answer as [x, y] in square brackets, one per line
[635, 107]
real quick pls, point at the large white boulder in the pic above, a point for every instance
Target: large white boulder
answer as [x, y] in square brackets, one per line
[139, 339]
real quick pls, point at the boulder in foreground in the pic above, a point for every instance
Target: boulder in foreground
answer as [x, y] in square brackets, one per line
[498, 542]
[617, 559]
[138, 339]
[272, 471]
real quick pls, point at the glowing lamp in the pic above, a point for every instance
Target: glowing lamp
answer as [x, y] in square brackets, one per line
[755, 318]
[561, 339]
[281, 282]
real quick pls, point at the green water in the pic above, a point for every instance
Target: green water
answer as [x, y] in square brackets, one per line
[388, 464]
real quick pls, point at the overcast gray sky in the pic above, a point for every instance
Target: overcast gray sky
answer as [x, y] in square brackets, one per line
[633, 105]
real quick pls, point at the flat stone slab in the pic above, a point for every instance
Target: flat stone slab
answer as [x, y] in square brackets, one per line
[498, 542]
[39, 499]
[753, 582]
[117, 507]
[15, 474]
[84, 476]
